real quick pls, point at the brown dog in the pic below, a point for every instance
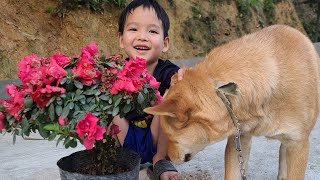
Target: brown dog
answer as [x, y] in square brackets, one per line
[271, 79]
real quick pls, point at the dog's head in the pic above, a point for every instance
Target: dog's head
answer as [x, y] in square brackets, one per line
[192, 115]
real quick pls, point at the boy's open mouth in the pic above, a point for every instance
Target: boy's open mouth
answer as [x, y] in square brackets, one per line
[143, 48]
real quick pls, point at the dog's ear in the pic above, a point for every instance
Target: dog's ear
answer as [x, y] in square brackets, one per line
[228, 88]
[166, 108]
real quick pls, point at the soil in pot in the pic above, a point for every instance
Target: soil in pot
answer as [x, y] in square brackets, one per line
[76, 165]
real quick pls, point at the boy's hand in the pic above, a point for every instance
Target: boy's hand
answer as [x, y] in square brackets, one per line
[170, 175]
[177, 77]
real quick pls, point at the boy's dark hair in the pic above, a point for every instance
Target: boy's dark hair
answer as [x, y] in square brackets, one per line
[161, 14]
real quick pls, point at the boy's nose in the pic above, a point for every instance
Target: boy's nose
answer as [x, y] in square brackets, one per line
[142, 36]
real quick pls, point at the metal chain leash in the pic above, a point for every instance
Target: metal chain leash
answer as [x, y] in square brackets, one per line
[236, 123]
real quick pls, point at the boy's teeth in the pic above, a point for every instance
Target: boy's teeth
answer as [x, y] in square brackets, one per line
[142, 48]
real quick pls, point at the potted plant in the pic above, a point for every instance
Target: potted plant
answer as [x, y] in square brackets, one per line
[74, 100]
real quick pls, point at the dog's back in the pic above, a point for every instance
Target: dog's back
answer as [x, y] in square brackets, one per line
[277, 72]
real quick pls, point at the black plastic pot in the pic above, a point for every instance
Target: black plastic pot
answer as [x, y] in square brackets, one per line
[127, 158]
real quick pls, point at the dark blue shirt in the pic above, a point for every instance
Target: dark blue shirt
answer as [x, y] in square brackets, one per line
[163, 72]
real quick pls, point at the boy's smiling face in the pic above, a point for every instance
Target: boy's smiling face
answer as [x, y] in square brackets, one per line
[143, 35]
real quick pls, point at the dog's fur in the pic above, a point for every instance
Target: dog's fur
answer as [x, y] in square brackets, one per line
[271, 78]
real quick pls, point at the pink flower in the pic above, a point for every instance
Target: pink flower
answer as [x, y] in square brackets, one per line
[130, 78]
[2, 117]
[43, 95]
[86, 72]
[91, 49]
[34, 78]
[25, 65]
[16, 101]
[54, 72]
[152, 81]
[125, 84]
[114, 129]
[89, 52]
[88, 130]
[159, 99]
[62, 121]
[133, 68]
[62, 60]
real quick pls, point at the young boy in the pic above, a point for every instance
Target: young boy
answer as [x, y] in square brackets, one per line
[143, 32]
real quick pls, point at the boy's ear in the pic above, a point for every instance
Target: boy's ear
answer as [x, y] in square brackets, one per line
[165, 108]
[120, 37]
[166, 44]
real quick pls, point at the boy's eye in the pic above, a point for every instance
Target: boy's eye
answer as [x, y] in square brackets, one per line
[153, 32]
[132, 29]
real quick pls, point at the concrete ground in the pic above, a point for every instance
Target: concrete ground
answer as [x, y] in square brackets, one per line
[36, 159]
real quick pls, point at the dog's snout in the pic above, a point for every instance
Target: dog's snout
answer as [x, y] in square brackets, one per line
[187, 157]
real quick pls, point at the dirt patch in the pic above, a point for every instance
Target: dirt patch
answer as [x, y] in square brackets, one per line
[200, 175]
[31, 26]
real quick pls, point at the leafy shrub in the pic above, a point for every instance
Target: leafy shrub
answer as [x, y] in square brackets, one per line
[269, 10]
[94, 5]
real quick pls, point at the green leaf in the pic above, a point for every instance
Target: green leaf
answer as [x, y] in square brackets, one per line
[52, 127]
[78, 97]
[42, 132]
[90, 92]
[92, 107]
[106, 107]
[76, 107]
[25, 126]
[89, 99]
[97, 114]
[104, 97]
[78, 92]
[14, 138]
[77, 118]
[66, 142]
[140, 98]
[58, 110]
[71, 105]
[63, 96]
[145, 90]
[98, 93]
[126, 108]
[65, 112]
[28, 102]
[117, 101]
[52, 136]
[2, 108]
[51, 112]
[78, 84]
[115, 111]
[86, 107]
[73, 143]
[83, 101]
[59, 139]
[64, 80]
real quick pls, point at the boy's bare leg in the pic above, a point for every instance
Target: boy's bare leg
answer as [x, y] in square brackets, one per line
[162, 147]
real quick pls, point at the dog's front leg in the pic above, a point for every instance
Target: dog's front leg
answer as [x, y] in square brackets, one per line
[297, 156]
[282, 173]
[232, 170]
